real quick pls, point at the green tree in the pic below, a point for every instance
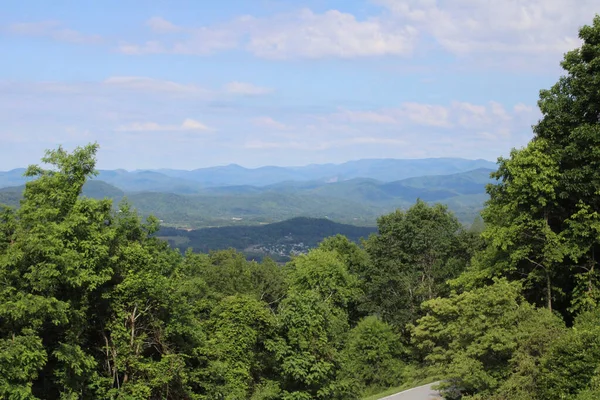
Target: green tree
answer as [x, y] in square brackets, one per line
[307, 346]
[471, 339]
[357, 263]
[542, 214]
[412, 257]
[572, 362]
[57, 258]
[91, 304]
[371, 360]
[325, 273]
[236, 357]
[313, 320]
[518, 217]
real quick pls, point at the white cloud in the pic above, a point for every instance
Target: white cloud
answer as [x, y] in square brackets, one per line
[522, 108]
[508, 31]
[474, 116]
[145, 84]
[245, 89]
[161, 25]
[375, 140]
[408, 112]
[511, 26]
[53, 30]
[463, 118]
[498, 110]
[149, 47]
[187, 125]
[425, 114]
[374, 117]
[331, 34]
[140, 83]
[197, 41]
[304, 34]
[268, 122]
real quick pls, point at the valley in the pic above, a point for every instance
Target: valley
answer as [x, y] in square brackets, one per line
[352, 193]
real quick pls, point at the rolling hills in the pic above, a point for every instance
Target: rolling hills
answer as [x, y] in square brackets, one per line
[357, 201]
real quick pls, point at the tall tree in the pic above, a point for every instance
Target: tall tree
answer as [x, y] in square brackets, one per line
[519, 214]
[90, 305]
[412, 256]
[542, 214]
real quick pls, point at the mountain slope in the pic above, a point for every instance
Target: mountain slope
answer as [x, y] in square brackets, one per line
[11, 196]
[277, 239]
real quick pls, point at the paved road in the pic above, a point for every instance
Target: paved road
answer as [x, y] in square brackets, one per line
[419, 393]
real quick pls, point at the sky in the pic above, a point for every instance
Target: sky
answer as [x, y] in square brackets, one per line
[194, 83]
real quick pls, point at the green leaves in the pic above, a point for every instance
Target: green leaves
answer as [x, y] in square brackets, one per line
[470, 338]
[371, 359]
[326, 274]
[21, 358]
[413, 255]
[238, 331]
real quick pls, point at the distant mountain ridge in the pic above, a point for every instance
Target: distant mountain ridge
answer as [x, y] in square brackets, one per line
[356, 201]
[195, 181]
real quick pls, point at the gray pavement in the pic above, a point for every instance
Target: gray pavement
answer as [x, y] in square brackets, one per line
[419, 393]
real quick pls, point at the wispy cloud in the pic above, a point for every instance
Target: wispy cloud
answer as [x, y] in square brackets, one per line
[375, 117]
[307, 34]
[268, 122]
[53, 30]
[505, 32]
[140, 83]
[507, 27]
[161, 25]
[303, 34]
[187, 125]
[244, 88]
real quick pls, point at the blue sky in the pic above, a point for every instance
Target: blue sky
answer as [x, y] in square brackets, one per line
[189, 84]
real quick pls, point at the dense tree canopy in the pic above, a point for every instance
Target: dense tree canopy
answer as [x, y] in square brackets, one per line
[541, 243]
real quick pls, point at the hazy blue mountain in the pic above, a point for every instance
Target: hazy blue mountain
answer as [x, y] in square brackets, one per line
[147, 181]
[94, 189]
[386, 170]
[365, 190]
[356, 201]
[99, 189]
[198, 180]
[13, 177]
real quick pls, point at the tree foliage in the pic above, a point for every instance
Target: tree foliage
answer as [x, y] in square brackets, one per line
[412, 257]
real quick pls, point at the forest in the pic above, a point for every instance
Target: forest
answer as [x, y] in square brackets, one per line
[277, 240]
[94, 305]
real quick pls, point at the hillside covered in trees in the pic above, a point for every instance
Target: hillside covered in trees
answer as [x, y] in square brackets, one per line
[94, 305]
[357, 201]
[277, 240]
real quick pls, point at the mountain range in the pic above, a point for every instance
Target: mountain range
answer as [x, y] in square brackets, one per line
[194, 181]
[353, 193]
